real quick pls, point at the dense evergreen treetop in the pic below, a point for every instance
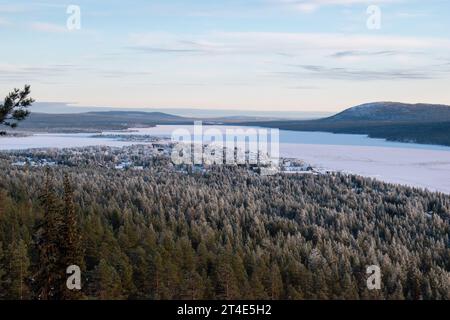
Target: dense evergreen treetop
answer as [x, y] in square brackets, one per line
[159, 234]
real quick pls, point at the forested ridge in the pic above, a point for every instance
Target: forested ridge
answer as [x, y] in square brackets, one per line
[436, 133]
[393, 121]
[226, 234]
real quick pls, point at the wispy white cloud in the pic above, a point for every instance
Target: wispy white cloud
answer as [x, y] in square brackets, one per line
[308, 6]
[276, 42]
[13, 8]
[48, 27]
[355, 74]
[370, 54]
[28, 72]
[412, 15]
[331, 56]
[33, 72]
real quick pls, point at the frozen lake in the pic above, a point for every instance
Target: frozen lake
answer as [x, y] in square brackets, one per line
[57, 140]
[424, 166]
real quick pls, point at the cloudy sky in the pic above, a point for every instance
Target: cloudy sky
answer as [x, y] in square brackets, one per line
[296, 55]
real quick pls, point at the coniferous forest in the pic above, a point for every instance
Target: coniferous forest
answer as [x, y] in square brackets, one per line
[224, 234]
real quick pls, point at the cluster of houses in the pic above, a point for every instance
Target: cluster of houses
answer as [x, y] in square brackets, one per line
[131, 157]
[295, 166]
[29, 161]
[139, 157]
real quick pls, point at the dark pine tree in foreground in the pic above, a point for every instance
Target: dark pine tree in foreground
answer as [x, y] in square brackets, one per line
[15, 107]
[58, 242]
[72, 253]
[49, 275]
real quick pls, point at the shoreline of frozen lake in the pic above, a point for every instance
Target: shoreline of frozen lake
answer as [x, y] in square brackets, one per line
[423, 166]
[428, 169]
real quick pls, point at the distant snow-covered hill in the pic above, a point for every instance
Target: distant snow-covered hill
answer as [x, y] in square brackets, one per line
[394, 111]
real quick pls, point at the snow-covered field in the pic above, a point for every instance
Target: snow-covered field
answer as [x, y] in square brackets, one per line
[409, 164]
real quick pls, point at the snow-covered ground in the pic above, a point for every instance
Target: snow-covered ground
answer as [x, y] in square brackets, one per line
[428, 169]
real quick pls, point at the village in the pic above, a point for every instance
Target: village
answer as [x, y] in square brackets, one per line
[141, 157]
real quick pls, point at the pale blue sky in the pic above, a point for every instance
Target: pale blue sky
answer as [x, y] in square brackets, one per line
[296, 55]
